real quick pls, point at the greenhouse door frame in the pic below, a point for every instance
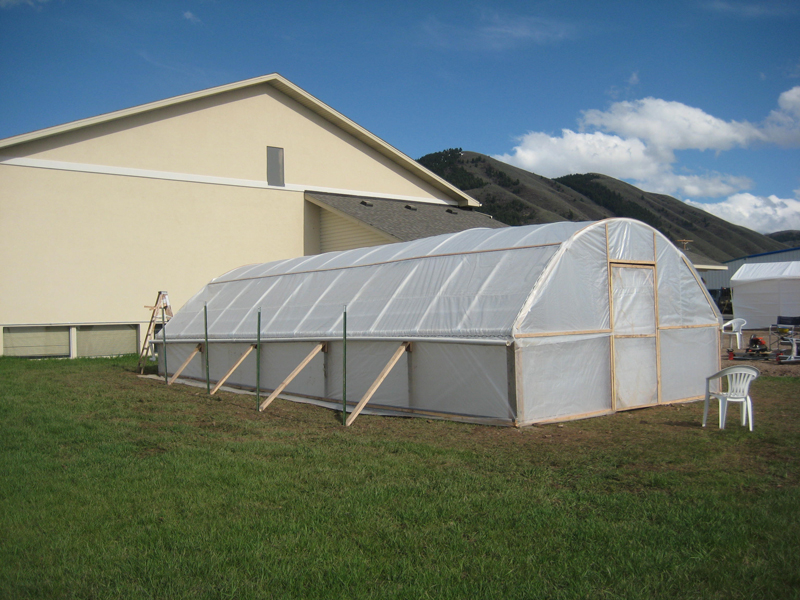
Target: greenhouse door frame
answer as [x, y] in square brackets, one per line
[617, 338]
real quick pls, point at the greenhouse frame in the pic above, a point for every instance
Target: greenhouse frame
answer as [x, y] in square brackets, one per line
[509, 326]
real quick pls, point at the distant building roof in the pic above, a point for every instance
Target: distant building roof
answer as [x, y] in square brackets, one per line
[703, 263]
[763, 254]
[402, 219]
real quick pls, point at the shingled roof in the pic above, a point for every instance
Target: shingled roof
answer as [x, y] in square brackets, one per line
[403, 219]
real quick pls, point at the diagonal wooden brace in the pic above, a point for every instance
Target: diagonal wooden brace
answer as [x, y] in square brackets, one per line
[233, 368]
[404, 347]
[316, 350]
[185, 364]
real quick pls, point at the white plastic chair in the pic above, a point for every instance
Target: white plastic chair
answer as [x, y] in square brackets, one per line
[735, 329]
[739, 379]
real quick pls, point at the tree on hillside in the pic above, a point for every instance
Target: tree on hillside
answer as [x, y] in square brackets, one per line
[447, 165]
[613, 201]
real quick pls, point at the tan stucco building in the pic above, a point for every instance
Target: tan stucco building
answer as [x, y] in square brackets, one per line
[100, 214]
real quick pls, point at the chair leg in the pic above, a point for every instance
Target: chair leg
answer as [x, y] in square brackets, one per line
[723, 412]
[744, 413]
[750, 412]
[705, 411]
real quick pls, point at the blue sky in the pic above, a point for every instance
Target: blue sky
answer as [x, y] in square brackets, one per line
[699, 99]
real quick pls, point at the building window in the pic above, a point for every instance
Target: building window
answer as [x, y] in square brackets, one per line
[275, 166]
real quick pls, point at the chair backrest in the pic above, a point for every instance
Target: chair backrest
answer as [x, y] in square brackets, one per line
[737, 324]
[788, 321]
[739, 379]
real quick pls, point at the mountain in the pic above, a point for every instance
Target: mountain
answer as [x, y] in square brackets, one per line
[518, 197]
[790, 237]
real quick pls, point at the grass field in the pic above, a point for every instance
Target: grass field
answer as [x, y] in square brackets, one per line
[113, 486]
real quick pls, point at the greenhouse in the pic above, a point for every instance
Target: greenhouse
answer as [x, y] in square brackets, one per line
[508, 326]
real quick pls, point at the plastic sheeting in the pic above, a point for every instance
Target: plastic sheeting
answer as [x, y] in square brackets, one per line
[572, 295]
[425, 379]
[762, 292]
[564, 377]
[682, 347]
[629, 241]
[516, 325]
[681, 300]
[464, 285]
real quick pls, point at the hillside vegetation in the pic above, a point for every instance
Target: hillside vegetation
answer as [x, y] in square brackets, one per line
[518, 197]
[790, 237]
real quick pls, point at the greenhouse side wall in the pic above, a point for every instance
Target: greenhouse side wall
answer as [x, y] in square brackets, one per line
[452, 379]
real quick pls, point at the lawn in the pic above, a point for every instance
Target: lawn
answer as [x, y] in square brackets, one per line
[114, 486]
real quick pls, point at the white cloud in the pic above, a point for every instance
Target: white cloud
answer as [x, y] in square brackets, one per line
[581, 153]
[32, 3]
[634, 78]
[710, 185]
[496, 32]
[623, 158]
[782, 126]
[764, 214]
[637, 141]
[789, 101]
[191, 17]
[668, 126]
[751, 10]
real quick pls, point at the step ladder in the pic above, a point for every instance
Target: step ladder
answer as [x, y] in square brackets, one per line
[162, 304]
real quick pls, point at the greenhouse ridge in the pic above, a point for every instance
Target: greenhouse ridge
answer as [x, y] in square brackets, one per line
[386, 262]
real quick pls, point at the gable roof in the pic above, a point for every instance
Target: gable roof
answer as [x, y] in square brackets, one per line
[403, 220]
[292, 91]
[751, 272]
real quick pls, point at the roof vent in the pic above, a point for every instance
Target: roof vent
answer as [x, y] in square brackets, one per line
[451, 211]
[366, 203]
[409, 207]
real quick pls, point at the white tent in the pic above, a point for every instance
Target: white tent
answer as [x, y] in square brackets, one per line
[508, 326]
[762, 292]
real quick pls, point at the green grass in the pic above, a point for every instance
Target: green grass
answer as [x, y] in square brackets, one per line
[113, 486]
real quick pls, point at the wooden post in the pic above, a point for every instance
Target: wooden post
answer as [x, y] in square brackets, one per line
[185, 364]
[164, 339]
[258, 359]
[233, 368]
[205, 348]
[344, 366]
[405, 346]
[319, 347]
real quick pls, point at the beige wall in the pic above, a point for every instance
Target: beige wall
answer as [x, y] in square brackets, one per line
[343, 233]
[87, 248]
[83, 246]
[226, 135]
[312, 229]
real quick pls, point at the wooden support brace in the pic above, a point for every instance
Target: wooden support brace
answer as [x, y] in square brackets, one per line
[404, 347]
[233, 368]
[185, 364]
[322, 346]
